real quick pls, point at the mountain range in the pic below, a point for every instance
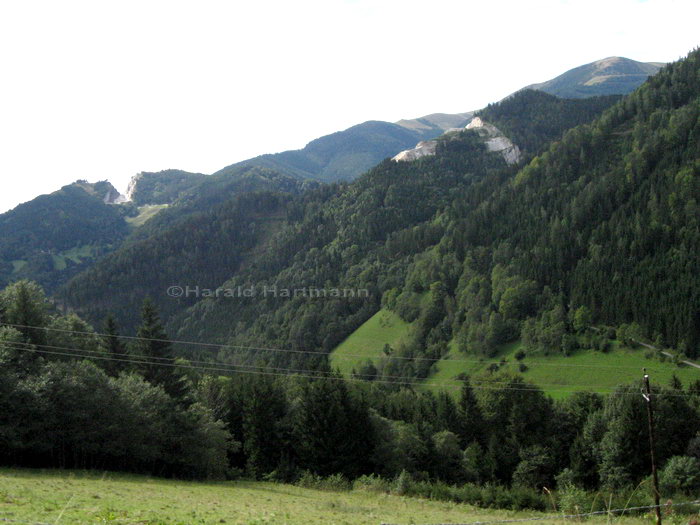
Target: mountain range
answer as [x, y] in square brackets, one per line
[180, 226]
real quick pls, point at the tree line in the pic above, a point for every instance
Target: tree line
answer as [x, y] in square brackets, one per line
[74, 398]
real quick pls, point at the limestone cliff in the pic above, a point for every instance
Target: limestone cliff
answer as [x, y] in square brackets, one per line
[493, 139]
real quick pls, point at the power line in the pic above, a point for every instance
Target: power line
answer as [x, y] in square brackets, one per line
[223, 346]
[532, 388]
[319, 375]
[28, 346]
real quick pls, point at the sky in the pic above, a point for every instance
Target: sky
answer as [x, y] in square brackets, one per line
[104, 90]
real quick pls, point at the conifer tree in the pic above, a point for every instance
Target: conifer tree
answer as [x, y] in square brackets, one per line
[155, 349]
[113, 345]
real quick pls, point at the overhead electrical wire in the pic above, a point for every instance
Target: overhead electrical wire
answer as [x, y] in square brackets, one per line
[307, 374]
[234, 367]
[223, 346]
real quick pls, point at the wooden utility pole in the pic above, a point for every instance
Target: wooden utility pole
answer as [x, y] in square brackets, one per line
[650, 419]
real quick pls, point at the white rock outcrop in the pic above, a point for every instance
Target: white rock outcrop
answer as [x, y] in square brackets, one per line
[113, 197]
[422, 149]
[495, 140]
[131, 188]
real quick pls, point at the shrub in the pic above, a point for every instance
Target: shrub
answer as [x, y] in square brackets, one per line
[681, 474]
[574, 500]
[334, 482]
[522, 498]
[372, 483]
[402, 483]
[469, 493]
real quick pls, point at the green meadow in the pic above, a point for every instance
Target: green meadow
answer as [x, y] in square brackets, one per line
[559, 375]
[78, 498]
[367, 342]
[556, 374]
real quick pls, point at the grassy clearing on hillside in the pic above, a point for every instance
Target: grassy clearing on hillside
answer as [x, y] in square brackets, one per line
[76, 255]
[559, 376]
[367, 342]
[18, 264]
[145, 213]
[81, 498]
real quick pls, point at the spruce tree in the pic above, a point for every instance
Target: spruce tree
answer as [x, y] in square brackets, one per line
[472, 421]
[156, 351]
[112, 344]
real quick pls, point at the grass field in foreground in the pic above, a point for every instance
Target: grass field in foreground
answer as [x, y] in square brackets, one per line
[367, 342]
[559, 375]
[69, 497]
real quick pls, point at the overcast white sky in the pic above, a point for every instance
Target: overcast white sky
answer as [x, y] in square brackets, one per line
[103, 90]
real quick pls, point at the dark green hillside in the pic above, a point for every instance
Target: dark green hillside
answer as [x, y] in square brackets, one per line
[184, 246]
[532, 119]
[608, 217]
[358, 236]
[364, 235]
[54, 236]
[605, 219]
[568, 259]
[602, 228]
[214, 190]
[162, 187]
[345, 154]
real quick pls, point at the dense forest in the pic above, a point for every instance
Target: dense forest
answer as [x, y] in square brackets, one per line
[71, 397]
[163, 187]
[362, 235]
[55, 236]
[204, 235]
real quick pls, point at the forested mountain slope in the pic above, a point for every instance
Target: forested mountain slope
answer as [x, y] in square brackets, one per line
[605, 219]
[54, 236]
[474, 252]
[163, 187]
[200, 240]
[362, 236]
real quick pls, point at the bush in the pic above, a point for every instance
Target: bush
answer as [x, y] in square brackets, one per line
[372, 483]
[574, 500]
[403, 483]
[334, 482]
[681, 474]
[469, 493]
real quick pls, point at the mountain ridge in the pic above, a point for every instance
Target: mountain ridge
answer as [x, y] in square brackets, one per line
[607, 76]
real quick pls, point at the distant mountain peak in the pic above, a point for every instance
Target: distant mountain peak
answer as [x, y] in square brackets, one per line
[608, 76]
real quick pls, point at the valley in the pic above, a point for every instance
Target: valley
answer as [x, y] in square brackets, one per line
[521, 267]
